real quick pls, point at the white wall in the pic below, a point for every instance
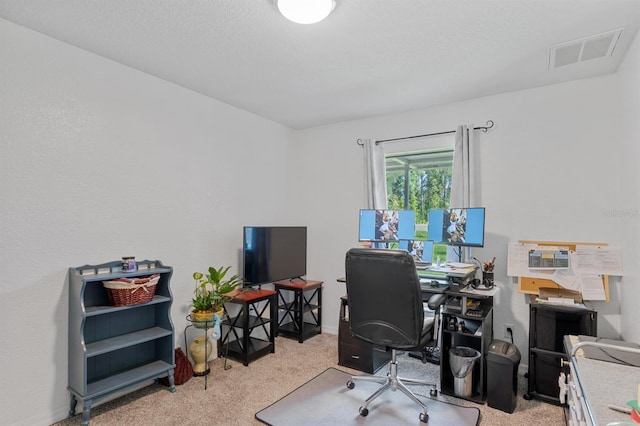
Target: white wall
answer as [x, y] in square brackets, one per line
[550, 170]
[628, 85]
[99, 161]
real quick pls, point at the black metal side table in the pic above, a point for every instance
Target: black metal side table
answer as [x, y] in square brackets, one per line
[304, 312]
[253, 331]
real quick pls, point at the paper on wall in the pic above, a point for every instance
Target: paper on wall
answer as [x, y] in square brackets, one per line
[518, 262]
[605, 260]
[590, 285]
[518, 259]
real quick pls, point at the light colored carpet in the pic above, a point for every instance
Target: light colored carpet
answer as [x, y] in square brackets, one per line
[325, 400]
[234, 396]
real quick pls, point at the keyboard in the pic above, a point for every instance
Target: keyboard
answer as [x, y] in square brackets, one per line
[426, 285]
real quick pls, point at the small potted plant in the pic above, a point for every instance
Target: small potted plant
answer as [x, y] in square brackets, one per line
[211, 292]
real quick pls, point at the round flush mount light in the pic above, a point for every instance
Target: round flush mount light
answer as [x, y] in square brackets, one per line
[306, 11]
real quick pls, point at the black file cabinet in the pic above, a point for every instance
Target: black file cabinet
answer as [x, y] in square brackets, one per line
[548, 324]
[355, 353]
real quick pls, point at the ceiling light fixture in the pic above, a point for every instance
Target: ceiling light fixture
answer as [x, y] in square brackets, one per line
[306, 11]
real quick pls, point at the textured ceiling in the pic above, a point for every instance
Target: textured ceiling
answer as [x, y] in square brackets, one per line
[369, 57]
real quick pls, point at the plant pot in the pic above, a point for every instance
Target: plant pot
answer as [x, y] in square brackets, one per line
[205, 319]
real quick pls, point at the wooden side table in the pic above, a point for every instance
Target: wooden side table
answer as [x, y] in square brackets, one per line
[300, 318]
[248, 345]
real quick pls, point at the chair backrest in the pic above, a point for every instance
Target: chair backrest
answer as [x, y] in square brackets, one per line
[384, 297]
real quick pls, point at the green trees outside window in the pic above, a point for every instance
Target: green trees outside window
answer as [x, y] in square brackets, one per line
[420, 181]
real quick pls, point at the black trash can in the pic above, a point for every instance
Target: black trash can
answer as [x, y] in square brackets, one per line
[503, 359]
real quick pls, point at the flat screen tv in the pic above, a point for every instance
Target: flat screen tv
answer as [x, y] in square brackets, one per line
[387, 225]
[273, 253]
[457, 226]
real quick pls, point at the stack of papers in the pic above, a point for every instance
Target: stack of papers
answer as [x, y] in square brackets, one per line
[460, 265]
[454, 268]
[559, 301]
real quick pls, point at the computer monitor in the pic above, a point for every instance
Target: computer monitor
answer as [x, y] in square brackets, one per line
[273, 253]
[378, 225]
[421, 251]
[457, 226]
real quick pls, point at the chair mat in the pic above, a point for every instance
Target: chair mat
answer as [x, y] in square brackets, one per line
[325, 400]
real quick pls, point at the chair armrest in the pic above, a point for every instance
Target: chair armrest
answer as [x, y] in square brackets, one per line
[436, 301]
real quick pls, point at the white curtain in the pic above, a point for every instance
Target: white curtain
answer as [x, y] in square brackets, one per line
[463, 187]
[375, 175]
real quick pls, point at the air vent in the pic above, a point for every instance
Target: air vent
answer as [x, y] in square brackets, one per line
[584, 49]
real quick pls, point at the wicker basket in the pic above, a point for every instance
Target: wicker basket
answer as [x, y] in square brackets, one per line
[131, 291]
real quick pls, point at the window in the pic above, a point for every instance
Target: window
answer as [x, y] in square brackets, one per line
[420, 181]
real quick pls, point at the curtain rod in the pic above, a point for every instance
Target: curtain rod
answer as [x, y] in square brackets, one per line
[483, 128]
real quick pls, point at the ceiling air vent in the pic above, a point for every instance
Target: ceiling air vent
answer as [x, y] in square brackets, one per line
[572, 52]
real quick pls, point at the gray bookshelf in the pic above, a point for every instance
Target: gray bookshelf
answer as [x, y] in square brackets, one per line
[114, 349]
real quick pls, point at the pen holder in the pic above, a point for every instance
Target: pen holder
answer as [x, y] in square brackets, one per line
[487, 279]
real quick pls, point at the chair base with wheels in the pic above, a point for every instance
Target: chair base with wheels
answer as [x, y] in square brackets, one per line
[392, 382]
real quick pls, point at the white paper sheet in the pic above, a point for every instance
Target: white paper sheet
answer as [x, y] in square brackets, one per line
[591, 287]
[605, 260]
[518, 259]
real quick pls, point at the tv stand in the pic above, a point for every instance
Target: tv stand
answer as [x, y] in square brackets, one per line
[257, 313]
[304, 312]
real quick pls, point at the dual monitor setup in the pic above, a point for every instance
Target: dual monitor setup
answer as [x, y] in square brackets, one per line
[462, 227]
[275, 253]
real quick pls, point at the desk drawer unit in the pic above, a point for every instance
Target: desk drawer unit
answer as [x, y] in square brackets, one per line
[355, 353]
[359, 355]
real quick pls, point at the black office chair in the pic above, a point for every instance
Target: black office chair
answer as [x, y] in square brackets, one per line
[385, 308]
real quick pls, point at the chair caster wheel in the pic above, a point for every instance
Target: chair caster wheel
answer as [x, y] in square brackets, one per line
[364, 411]
[424, 418]
[350, 384]
[433, 392]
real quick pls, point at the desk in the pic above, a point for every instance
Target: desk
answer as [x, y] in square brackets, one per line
[479, 340]
[476, 333]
